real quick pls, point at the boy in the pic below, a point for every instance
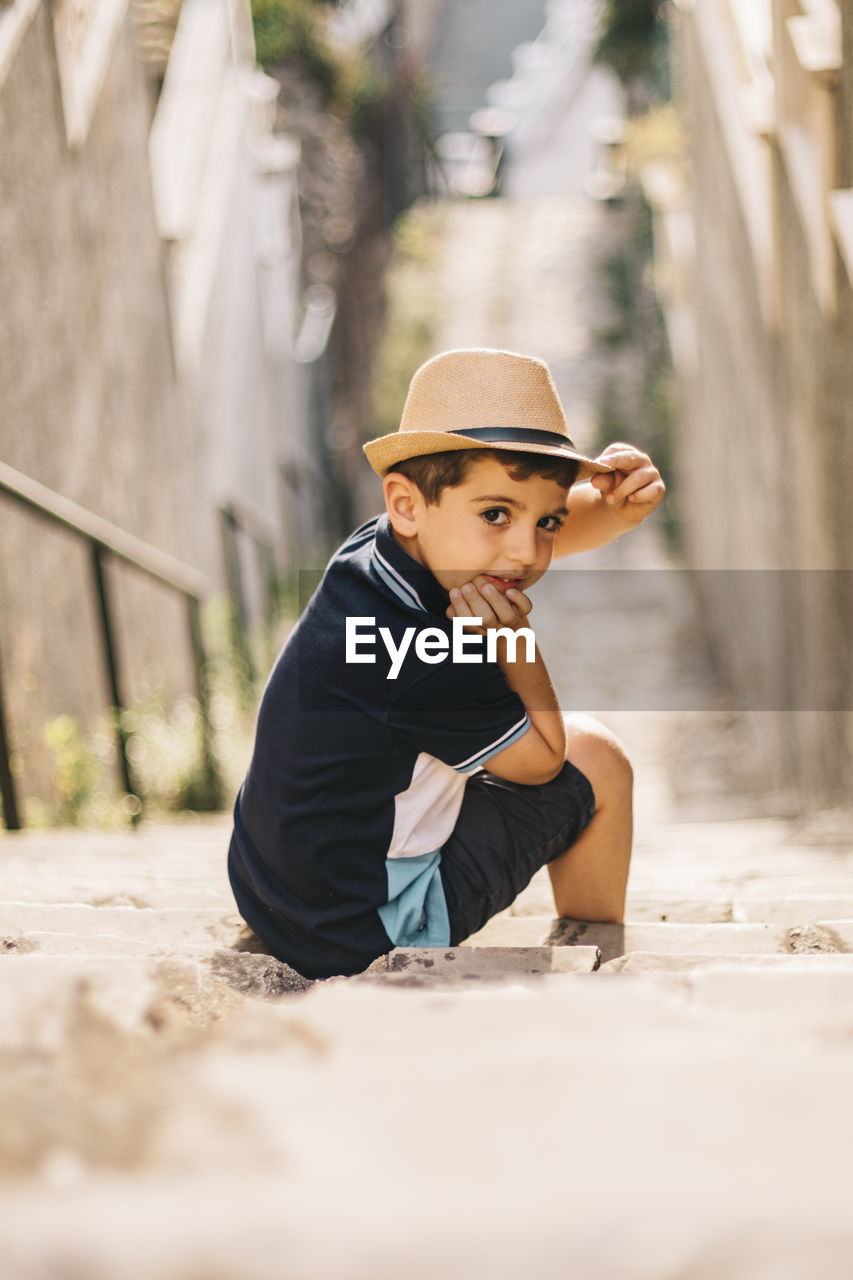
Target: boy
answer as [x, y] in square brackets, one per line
[366, 820]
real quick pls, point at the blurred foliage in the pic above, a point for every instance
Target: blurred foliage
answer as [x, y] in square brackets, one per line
[78, 766]
[654, 137]
[618, 278]
[640, 408]
[633, 42]
[612, 419]
[368, 97]
[660, 390]
[637, 399]
[163, 741]
[292, 31]
[411, 311]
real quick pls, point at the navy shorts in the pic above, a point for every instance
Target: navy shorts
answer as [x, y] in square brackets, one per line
[504, 833]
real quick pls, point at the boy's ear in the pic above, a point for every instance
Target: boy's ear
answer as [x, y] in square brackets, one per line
[403, 502]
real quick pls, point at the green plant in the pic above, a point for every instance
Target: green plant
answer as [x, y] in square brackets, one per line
[77, 768]
[612, 421]
[411, 311]
[659, 415]
[629, 34]
[163, 741]
[618, 276]
[637, 395]
[291, 31]
[657, 136]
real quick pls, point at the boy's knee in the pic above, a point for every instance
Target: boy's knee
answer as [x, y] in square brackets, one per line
[598, 753]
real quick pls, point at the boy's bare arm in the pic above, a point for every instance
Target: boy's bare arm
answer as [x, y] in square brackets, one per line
[599, 512]
[538, 756]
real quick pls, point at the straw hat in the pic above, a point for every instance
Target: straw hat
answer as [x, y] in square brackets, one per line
[480, 399]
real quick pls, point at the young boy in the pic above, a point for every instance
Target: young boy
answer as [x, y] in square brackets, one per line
[366, 820]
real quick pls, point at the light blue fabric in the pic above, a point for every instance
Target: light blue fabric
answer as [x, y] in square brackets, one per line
[395, 582]
[479, 760]
[415, 914]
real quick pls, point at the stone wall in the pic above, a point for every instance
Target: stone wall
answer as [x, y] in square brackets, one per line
[147, 339]
[90, 404]
[765, 442]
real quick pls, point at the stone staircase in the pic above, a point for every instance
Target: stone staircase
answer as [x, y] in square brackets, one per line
[668, 1098]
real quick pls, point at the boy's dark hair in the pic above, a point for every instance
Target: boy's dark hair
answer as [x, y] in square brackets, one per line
[434, 472]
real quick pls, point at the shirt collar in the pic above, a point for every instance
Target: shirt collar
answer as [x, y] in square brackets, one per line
[411, 582]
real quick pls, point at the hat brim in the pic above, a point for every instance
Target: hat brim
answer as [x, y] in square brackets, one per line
[385, 452]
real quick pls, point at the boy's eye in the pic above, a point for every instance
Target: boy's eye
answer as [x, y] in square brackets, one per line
[551, 523]
[495, 515]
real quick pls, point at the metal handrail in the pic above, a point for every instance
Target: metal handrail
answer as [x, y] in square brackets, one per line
[105, 540]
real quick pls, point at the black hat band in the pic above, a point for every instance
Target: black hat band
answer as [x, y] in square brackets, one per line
[516, 435]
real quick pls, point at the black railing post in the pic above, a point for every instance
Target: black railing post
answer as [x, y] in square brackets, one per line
[111, 663]
[8, 793]
[211, 771]
[234, 578]
[106, 539]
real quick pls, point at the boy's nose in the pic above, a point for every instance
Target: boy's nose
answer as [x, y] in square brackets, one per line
[522, 550]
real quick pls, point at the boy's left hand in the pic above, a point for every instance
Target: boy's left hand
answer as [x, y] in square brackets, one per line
[634, 488]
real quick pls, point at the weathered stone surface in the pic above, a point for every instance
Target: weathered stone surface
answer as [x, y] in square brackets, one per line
[802, 1000]
[614, 939]
[68, 929]
[675, 962]
[792, 910]
[820, 937]
[676, 908]
[685, 905]
[125, 889]
[249, 1142]
[507, 930]
[37, 992]
[158, 866]
[419, 966]
[256, 975]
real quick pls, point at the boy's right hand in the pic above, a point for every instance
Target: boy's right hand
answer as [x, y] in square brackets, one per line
[482, 599]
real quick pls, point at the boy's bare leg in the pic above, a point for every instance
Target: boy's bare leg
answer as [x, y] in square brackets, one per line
[590, 879]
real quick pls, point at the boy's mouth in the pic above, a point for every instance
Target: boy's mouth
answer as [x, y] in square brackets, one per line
[502, 582]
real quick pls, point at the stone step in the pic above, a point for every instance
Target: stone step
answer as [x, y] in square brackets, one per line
[663, 938]
[682, 903]
[265, 1135]
[73, 929]
[119, 890]
[39, 993]
[44, 997]
[663, 962]
[681, 898]
[792, 909]
[417, 966]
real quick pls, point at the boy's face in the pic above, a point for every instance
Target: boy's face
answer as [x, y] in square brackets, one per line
[489, 524]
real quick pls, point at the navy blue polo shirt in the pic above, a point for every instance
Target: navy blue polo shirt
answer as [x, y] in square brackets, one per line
[357, 779]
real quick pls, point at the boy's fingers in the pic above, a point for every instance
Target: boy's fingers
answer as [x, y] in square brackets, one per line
[624, 457]
[631, 483]
[466, 606]
[522, 603]
[510, 607]
[503, 609]
[479, 605]
[650, 493]
[604, 483]
[490, 604]
[459, 604]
